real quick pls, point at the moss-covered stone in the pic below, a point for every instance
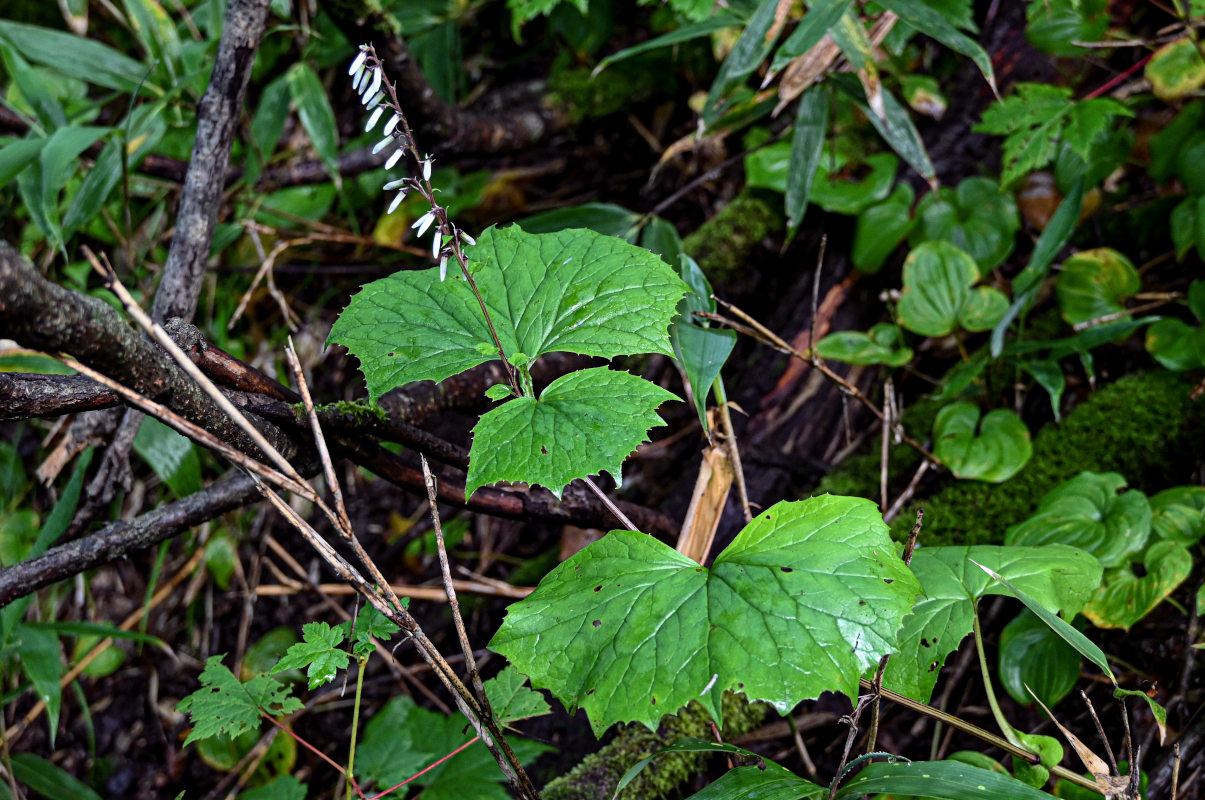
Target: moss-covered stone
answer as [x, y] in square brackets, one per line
[722, 245]
[596, 776]
[588, 96]
[1143, 426]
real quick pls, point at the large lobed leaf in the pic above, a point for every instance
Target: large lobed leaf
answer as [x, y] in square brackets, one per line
[1059, 577]
[571, 291]
[807, 597]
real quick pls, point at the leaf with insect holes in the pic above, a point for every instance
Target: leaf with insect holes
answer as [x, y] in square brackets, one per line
[225, 706]
[808, 596]
[573, 291]
[1061, 577]
[319, 653]
[583, 423]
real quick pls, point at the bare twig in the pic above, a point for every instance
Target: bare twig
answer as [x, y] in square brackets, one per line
[450, 590]
[606, 501]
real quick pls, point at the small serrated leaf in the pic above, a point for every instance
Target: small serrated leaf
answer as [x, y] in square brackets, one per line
[225, 706]
[319, 654]
[583, 423]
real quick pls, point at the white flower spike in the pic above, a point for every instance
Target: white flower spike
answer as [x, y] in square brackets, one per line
[372, 121]
[397, 201]
[358, 62]
[393, 159]
[424, 222]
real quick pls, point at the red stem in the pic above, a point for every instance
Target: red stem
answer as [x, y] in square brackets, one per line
[426, 770]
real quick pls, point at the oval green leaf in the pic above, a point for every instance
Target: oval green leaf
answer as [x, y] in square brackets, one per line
[1092, 513]
[991, 450]
[1092, 284]
[937, 296]
[1125, 598]
[978, 217]
[882, 344]
[1033, 655]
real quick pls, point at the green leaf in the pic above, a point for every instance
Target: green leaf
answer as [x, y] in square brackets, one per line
[822, 15]
[221, 556]
[687, 744]
[59, 160]
[1187, 222]
[402, 739]
[370, 624]
[35, 88]
[511, 699]
[156, 31]
[844, 182]
[42, 662]
[1176, 70]
[605, 218]
[899, 132]
[1049, 375]
[1178, 514]
[882, 344]
[74, 56]
[807, 597]
[1055, 25]
[695, 30]
[1033, 655]
[97, 185]
[48, 779]
[1092, 284]
[1039, 116]
[171, 455]
[881, 228]
[937, 296]
[17, 154]
[319, 653]
[1063, 577]
[769, 781]
[522, 11]
[1089, 512]
[1069, 634]
[571, 291]
[1025, 286]
[584, 422]
[271, 112]
[700, 350]
[316, 114]
[945, 780]
[934, 24]
[282, 787]
[1125, 598]
[992, 450]
[225, 706]
[977, 217]
[1176, 345]
[755, 43]
[807, 143]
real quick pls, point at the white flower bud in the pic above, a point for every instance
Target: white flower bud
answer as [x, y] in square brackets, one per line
[381, 145]
[393, 159]
[358, 62]
[469, 240]
[393, 184]
[372, 121]
[376, 100]
[397, 201]
[436, 243]
[392, 123]
[358, 80]
[376, 81]
[427, 168]
[443, 268]
[424, 222]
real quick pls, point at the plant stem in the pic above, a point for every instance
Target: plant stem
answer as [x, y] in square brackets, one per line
[355, 726]
[1010, 733]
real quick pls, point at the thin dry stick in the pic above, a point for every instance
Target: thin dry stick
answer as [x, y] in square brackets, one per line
[1100, 731]
[324, 455]
[431, 593]
[734, 453]
[606, 501]
[450, 589]
[906, 495]
[885, 450]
